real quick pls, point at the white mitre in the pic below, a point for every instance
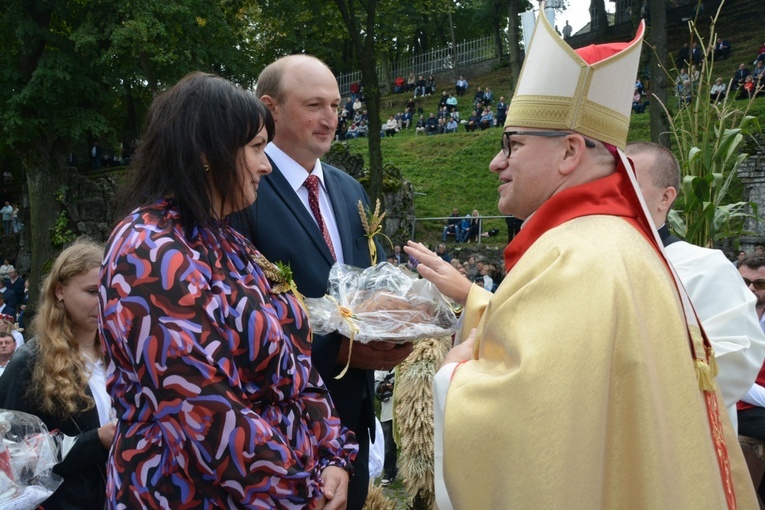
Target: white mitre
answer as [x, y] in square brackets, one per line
[588, 90]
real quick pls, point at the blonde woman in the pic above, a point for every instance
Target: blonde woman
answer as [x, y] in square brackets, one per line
[8, 325]
[59, 375]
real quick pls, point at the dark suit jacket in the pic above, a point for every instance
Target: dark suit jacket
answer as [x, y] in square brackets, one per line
[16, 288]
[84, 467]
[281, 228]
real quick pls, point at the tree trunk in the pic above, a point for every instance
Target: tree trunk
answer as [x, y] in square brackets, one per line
[366, 57]
[514, 40]
[496, 28]
[659, 58]
[45, 176]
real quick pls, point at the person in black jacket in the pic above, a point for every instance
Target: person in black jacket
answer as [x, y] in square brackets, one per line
[60, 376]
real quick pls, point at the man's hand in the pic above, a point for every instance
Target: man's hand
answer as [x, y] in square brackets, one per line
[335, 489]
[443, 275]
[373, 355]
[461, 352]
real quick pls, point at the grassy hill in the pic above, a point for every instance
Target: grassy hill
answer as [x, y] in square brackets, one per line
[451, 170]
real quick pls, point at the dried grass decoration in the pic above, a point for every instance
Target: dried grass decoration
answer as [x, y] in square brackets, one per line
[413, 395]
[377, 500]
[372, 223]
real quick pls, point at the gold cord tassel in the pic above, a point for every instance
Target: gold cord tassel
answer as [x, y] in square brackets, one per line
[712, 360]
[704, 375]
[349, 318]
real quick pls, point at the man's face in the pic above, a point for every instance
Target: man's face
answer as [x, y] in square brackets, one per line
[741, 255]
[7, 346]
[754, 275]
[529, 177]
[306, 118]
[652, 194]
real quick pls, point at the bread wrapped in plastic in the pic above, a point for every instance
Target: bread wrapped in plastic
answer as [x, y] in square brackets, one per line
[28, 453]
[382, 302]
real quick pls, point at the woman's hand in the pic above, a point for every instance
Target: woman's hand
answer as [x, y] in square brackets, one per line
[335, 489]
[106, 434]
[443, 275]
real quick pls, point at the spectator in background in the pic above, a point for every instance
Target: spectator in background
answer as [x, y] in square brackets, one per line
[453, 227]
[96, 154]
[430, 86]
[15, 285]
[451, 126]
[747, 91]
[5, 269]
[478, 97]
[739, 77]
[363, 130]
[385, 381]
[7, 212]
[722, 49]
[461, 86]
[432, 124]
[718, 91]
[487, 118]
[488, 96]
[406, 119]
[420, 126]
[442, 100]
[473, 229]
[357, 105]
[443, 254]
[638, 106]
[567, 29]
[8, 325]
[759, 71]
[451, 103]
[685, 93]
[696, 55]
[501, 111]
[472, 122]
[398, 85]
[341, 127]
[410, 82]
[683, 57]
[7, 348]
[352, 132]
[390, 128]
[355, 90]
[420, 85]
[694, 75]
[16, 219]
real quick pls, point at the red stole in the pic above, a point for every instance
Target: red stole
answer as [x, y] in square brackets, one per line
[611, 196]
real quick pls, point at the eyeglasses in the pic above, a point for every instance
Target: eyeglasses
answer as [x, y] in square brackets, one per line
[507, 148]
[757, 284]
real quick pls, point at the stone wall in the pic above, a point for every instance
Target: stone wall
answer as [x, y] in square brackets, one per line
[752, 174]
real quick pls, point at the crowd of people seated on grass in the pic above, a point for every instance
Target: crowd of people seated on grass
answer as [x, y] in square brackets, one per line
[353, 118]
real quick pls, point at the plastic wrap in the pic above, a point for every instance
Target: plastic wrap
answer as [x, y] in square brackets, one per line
[382, 302]
[28, 453]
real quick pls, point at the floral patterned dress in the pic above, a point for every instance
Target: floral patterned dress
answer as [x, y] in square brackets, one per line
[210, 374]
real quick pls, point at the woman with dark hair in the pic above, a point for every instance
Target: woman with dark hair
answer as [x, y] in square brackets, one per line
[60, 376]
[211, 376]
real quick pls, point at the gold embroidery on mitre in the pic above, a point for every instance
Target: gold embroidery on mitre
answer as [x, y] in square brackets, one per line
[582, 112]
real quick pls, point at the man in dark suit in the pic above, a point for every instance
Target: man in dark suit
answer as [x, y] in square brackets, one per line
[15, 284]
[303, 97]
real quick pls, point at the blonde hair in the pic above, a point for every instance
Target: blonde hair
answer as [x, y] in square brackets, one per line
[60, 376]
